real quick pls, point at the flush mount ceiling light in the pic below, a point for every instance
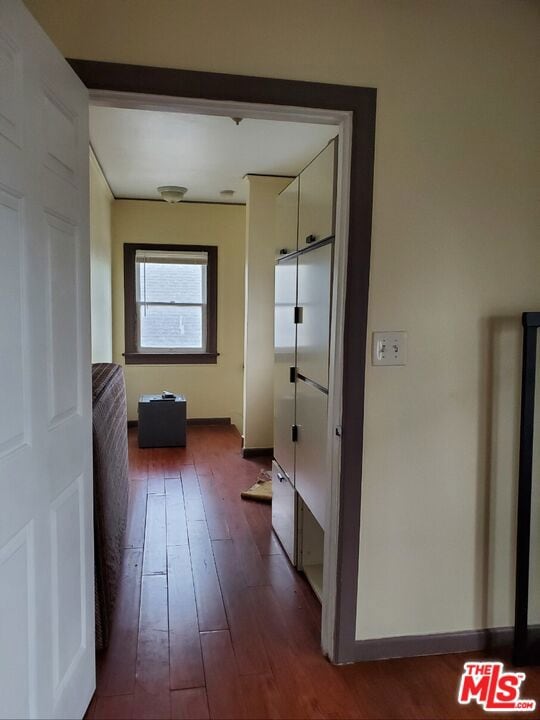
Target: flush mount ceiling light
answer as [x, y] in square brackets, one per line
[227, 193]
[172, 193]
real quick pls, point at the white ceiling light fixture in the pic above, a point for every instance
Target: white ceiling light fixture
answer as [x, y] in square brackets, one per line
[227, 193]
[172, 193]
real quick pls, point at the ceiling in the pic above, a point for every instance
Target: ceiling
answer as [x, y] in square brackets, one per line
[142, 149]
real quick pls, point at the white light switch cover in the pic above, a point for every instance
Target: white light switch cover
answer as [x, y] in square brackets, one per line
[389, 348]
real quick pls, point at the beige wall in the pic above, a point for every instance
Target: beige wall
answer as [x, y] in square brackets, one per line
[211, 390]
[455, 258]
[259, 311]
[101, 200]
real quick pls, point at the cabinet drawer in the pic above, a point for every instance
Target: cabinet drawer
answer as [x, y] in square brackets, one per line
[312, 476]
[284, 511]
[316, 215]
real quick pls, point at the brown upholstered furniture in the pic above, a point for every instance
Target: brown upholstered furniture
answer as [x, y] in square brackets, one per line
[110, 488]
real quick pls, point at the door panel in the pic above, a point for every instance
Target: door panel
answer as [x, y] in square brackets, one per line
[316, 215]
[314, 297]
[312, 476]
[284, 359]
[287, 218]
[46, 533]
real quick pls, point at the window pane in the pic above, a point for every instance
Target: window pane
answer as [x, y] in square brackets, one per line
[170, 327]
[171, 282]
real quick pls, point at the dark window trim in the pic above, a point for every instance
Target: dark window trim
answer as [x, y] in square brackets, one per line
[361, 102]
[131, 355]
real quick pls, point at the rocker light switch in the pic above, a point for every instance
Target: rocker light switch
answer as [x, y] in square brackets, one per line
[389, 348]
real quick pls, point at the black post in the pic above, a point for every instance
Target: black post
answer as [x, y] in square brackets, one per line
[522, 656]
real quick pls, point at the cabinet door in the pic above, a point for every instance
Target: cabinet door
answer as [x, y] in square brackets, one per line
[284, 359]
[284, 511]
[317, 197]
[287, 218]
[314, 297]
[312, 475]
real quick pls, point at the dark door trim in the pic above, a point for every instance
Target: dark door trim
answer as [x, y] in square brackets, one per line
[362, 103]
[526, 636]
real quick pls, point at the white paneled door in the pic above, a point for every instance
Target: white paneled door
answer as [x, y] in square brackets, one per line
[46, 535]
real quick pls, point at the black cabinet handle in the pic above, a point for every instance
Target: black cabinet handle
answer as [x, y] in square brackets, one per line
[311, 238]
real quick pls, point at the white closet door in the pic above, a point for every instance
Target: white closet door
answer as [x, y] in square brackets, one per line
[46, 534]
[284, 359]
[314, 298]
[287, 218]
[312, 475]
[316, 215]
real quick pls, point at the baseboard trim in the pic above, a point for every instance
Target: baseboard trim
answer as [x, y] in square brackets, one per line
[194, 421]
[435, 644]
[257, 452]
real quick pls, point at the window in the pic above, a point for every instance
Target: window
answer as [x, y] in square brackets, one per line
[170, 294]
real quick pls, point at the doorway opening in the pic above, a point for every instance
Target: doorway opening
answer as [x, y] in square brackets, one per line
[352, 112]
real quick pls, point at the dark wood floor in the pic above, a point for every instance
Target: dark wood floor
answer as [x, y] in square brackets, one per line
[213, 622]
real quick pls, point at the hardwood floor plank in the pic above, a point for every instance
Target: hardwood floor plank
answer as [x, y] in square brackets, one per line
[175, 512]
[152, 698]
[247, 644]
[262, 697]
[156, 484]
[222, 680]
[155, 540]
[259, 518]
[136, 515]
[287, 667]
[189, 704]
[248, 556]
[231, 476]
[192, 494]
[119, 707]
[186, 667]
[116, 674]
[214, 507]
[137, 458]
[164, 462]
[210, 609]
[297, 661]
[294, 592]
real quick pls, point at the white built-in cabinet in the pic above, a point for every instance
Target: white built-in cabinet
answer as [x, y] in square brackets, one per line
[313, 297]
[316, 216]
[287, 218]
[303, 315]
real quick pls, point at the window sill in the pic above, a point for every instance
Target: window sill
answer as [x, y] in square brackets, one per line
[170, 358]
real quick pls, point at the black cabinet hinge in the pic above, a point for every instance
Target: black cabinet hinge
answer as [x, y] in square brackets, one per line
[298, 314]
[294, 433]
[292, 374]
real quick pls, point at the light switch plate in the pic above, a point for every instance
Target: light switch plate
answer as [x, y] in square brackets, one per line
[389, 348]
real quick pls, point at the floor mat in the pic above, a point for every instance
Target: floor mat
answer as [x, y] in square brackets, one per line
[261, 490]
